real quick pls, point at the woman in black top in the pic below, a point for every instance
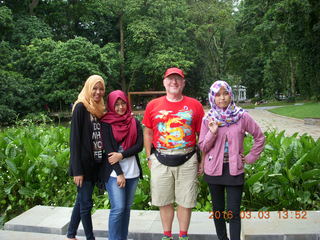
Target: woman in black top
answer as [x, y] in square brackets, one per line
[86, 152]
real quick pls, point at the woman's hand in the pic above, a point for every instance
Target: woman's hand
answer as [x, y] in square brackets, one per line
[78, 180]
[121, 181]
[114, 157]
[213, 126]
[243, 159]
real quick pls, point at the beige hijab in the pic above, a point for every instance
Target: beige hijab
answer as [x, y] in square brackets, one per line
[85, 96]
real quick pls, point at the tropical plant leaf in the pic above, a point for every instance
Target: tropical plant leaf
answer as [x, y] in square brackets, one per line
[311, 174]
[12, 167]
[7, 190]
[254, 178]
[26, 191]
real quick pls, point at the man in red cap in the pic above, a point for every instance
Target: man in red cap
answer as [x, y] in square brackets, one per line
[172, 123]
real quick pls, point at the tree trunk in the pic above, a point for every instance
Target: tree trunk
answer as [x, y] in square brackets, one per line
[32, 6]
[122, 75]
[293, 67]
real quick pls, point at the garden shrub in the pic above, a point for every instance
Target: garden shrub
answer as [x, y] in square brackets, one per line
[34, 162]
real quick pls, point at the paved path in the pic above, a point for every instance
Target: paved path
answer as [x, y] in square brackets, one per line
[269, 121]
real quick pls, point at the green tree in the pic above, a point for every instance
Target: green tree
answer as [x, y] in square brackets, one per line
[27, 28]
[157, 38]
[247, 60]
[13, 91]
[213, 30]
[6, 21]
[59, 69]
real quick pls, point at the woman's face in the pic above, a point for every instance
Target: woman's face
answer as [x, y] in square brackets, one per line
[97, 92]
[222, 98]
[120, 106]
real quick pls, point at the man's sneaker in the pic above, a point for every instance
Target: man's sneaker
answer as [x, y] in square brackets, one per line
[184, 238]
[166, 238]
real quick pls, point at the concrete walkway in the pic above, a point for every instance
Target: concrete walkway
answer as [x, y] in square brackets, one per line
[270, 121]
[44, 222]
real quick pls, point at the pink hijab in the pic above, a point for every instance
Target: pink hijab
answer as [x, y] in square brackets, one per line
[124, 127]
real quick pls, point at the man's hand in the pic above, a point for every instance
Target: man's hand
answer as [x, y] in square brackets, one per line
[121, 181]
[147, 138]
[78, 180]
[149, 164]
[114, 157]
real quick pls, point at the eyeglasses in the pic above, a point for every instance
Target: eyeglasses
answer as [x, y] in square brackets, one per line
[174, 79]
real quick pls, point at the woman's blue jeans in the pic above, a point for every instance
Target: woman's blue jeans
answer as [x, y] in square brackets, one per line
[121, 200]
[82, 211]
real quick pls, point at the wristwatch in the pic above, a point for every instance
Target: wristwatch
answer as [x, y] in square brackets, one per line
[148, 158]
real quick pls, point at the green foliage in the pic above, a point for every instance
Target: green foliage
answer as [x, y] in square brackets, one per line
[286, 176]
[153, 45]
[6, 20]
[6, 55]
[27, 28]
[13, 91]
[271, 51]
[61, 68]
[34, 164]
[7, 115]
[259, 44]
[213, 34]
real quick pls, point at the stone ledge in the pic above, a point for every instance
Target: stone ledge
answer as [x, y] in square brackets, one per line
[15, 235]
[312, 121]
[146, 225]
[41, 219]
[304, 225]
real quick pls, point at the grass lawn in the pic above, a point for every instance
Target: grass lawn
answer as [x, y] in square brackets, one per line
[308, 110]
[272, 103]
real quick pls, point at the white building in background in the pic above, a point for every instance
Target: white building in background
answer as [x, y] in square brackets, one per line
[240, 93]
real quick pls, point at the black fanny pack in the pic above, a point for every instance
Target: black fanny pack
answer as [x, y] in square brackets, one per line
[173, 160]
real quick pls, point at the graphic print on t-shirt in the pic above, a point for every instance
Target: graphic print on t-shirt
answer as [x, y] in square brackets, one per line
[174, 128]
[96, 139]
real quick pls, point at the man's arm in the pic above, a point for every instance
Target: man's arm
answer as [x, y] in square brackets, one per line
[148, 137]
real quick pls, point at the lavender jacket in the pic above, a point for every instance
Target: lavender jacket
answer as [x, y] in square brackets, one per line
[213, 145]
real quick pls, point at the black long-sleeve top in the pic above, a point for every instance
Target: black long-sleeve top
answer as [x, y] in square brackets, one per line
[111, 145]
[81, 147]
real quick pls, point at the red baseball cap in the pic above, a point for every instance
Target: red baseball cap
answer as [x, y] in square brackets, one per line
[173, 70]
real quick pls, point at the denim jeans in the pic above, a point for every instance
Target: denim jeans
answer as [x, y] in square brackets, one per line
[234, 194]
[82, 211]
[121, 200]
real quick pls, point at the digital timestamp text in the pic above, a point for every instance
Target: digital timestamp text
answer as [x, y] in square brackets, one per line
[300, 214]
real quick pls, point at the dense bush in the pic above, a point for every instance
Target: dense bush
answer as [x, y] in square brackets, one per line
[13, 101]
[34, 163]
[287, 176]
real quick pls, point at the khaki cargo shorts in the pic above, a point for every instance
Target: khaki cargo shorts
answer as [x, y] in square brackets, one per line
[174, 184]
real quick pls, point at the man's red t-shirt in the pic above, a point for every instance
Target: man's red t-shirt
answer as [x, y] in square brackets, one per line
[174, 124]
